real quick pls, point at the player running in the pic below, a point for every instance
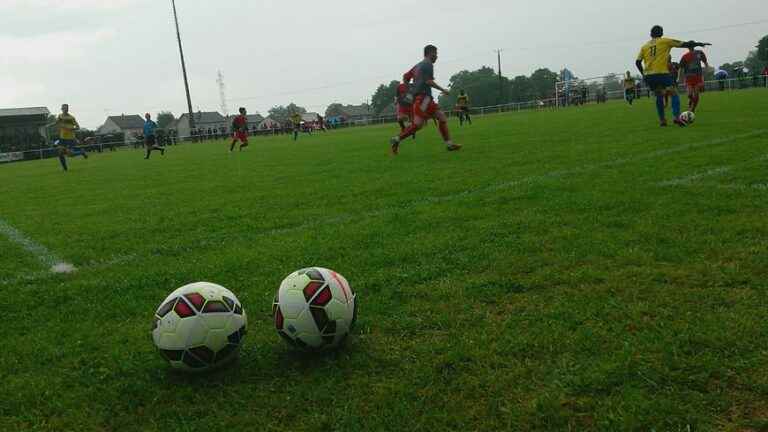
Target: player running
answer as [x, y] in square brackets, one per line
[462, 107]
[404, 103]
[150, 137]
[239, 131]
[424, 106]
[653, 64]
[296, 120]
[629, 88]
[67, 142]
[690, 66]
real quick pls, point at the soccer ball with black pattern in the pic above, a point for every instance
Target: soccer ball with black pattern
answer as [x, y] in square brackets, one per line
[199, 326]
[688, 117]
[314, 309]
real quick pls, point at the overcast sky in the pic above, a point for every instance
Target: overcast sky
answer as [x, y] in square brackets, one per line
[107, 57]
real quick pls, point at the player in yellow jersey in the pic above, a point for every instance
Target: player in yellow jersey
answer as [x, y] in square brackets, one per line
[462, 108]
[296, 120]
[653, 63]
[629, 88]
[67, 142]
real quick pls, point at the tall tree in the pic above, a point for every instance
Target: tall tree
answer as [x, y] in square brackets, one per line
[481, 85]
[521, 89]
[754, 63]
[543, 82]
[384, 96]
[762, 49]
[164, 119]
[282, 113]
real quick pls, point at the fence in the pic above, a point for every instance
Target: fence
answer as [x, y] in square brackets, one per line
[551, 103]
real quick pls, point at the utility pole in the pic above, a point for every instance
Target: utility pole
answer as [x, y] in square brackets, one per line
[183, 67]
[501, 80]
[223, 95]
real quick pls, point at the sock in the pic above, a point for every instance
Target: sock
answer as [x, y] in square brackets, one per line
[402, 125]
[676, 105]
[149, 151]
[695, 103]
[469, 118]
[232, 146]
[443, 127]
[63, 161]
[660, 106]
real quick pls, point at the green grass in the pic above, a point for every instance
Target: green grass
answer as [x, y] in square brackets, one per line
[573, 270]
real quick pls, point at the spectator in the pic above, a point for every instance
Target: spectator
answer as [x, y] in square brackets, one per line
[721, 76]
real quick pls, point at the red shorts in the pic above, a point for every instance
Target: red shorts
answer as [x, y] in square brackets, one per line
[694, 81]
[404, 111]
[425, 107]
[240, 135]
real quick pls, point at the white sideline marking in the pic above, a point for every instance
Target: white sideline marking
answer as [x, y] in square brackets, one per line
[691, 178]
[54, 263]
[678, 181]
[343, 218]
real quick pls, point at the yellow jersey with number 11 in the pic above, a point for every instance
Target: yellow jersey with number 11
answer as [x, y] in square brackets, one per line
[655, 55]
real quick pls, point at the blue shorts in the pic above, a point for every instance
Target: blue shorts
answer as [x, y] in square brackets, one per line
[659, 81]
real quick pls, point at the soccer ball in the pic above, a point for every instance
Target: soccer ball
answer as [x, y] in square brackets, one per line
[199, 326]
[688, 117]
[314, 309]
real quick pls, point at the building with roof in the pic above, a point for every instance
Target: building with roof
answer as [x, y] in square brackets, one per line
[269, 123]
[130, 126]
[349, 113]
[23, 128]
[204, 120]
[254, 121]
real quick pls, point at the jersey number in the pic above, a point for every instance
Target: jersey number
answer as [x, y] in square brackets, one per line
[653, 51]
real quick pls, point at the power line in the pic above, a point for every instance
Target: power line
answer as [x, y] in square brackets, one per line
[484, 53]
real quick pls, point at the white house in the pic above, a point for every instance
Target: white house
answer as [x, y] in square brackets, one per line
[130, 125]
[204, 120]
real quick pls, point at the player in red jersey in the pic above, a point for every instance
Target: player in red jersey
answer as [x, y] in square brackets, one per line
[403, 105]
[239, 131]
[690, 66]
[424, 106]
[674, 70]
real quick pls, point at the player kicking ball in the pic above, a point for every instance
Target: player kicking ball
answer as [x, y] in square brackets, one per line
[239, 131]
[67, 142]
[653, 64]
[424, 106]
[150, 136]
[691, 67]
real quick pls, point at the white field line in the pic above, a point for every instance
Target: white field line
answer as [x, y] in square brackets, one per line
[692, 178]
[226, 238]
[756, 186]
[54, 263]
[689, 180]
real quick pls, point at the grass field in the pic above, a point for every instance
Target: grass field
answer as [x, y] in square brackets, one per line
[573, 270]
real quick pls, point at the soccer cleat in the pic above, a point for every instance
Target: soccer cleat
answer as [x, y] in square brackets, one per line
[394, 143]
[663, 123]
[162, 152]
[680, 122]
[453, 147]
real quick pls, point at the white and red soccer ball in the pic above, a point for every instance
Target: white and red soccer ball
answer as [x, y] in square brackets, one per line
[199, 326]
[314, 309]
